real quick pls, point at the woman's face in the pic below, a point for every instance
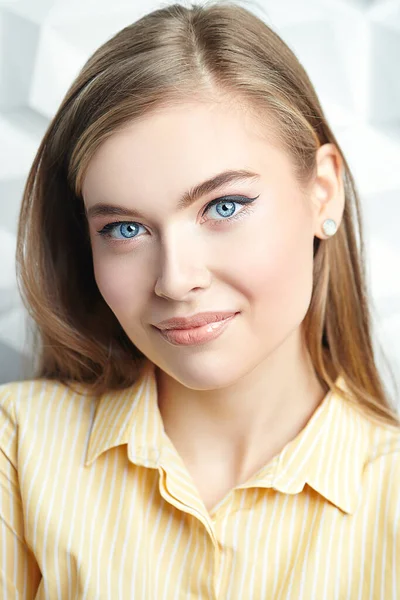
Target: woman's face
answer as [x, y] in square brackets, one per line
[255, 259]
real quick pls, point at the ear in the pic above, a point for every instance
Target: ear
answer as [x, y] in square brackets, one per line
[327, 192]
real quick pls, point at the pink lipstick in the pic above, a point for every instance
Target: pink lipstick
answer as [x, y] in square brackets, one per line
[197, 335]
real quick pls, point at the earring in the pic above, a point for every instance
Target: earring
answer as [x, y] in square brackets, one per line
[329, 227]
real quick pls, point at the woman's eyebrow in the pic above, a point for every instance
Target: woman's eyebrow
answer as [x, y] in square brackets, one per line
[188, 198]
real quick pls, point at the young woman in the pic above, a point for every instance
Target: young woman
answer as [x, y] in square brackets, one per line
[208, 420]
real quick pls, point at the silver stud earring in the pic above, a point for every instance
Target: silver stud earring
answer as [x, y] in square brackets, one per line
[329, 227]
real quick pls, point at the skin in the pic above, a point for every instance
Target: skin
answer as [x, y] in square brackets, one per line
[229, 405]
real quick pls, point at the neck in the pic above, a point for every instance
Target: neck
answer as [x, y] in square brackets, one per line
[248, 422]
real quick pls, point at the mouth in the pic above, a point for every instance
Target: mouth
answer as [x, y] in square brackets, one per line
[201, 334]
[197, 320]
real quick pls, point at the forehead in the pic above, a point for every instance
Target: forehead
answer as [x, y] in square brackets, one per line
[174, 148]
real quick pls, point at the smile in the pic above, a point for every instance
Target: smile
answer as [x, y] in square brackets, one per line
[196, 335]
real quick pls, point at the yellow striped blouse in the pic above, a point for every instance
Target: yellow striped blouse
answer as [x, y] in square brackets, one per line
[96, 503]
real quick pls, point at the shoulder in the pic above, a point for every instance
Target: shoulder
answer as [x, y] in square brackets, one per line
[383, 443]
[17, 396]
[33, 405]
[382, 475]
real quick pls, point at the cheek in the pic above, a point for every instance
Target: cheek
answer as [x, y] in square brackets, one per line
[275, 273]
[122, 287]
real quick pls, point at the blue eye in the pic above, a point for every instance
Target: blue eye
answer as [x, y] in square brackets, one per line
[225, 208]
[128, 229]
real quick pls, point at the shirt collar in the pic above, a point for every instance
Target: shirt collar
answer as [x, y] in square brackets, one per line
[130, 416]
[328, 454]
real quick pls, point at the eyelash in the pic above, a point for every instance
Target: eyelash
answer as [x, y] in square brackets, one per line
[106, 231]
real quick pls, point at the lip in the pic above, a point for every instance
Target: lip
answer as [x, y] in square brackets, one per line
[197, 335]
[197, 320]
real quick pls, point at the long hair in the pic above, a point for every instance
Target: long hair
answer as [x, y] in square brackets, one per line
[170, 55]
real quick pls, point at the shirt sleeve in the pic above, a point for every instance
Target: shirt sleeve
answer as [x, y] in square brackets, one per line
[20, 575]
[392, 506]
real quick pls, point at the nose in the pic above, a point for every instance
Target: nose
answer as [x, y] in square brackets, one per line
[182, 268]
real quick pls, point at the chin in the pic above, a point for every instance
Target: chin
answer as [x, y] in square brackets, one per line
[201, 374]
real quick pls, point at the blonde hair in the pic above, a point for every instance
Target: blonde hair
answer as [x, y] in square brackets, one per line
[168, 56]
